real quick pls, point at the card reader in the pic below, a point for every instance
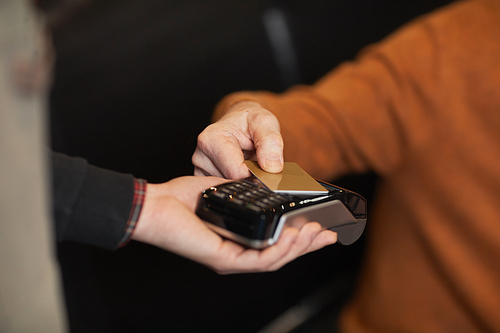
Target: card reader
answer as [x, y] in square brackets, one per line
[248, 212]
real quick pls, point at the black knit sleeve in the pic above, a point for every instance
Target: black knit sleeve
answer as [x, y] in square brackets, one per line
[91, 204]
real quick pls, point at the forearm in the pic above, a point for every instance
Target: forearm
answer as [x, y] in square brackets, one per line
[366, 114]
[92, 205]
[313, 136]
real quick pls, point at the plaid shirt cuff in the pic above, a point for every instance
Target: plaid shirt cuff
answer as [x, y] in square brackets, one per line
[135, 212]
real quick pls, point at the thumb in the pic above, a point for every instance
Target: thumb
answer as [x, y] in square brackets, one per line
[265, 132]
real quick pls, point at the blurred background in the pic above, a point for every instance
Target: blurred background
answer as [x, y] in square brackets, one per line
[135, 83]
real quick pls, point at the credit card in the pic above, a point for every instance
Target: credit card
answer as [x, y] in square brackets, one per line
[293, 179]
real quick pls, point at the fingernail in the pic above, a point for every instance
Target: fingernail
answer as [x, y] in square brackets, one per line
[332, 238]
[273, 164]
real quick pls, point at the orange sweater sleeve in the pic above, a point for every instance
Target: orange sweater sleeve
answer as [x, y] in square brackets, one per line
[371, 113]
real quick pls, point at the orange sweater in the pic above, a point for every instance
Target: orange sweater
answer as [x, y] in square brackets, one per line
[421, 109]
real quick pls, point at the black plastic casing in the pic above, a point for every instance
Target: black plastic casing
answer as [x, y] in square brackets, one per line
[340, 210]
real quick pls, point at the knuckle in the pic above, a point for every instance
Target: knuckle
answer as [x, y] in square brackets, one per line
[270, 138]
[203, 137]
[274, 139]
[263, 117]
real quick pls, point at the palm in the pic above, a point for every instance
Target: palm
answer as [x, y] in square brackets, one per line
[167, 221]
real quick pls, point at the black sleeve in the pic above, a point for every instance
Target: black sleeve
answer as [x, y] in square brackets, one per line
[91, 204]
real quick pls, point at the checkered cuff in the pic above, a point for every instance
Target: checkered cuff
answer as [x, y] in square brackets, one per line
[135, 212]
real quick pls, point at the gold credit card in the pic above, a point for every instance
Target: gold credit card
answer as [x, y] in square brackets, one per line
[293, 179]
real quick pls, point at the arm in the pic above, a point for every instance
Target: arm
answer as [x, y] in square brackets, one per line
[346, 122]
[91, 205]
[367, 114]
[97, 206]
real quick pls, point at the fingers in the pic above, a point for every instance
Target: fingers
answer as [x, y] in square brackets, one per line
[303, 242]
[292, 244]
[310, 237]
[247, 130]
[249, 260]
[264, 129]
[322, 239]
[219, 152]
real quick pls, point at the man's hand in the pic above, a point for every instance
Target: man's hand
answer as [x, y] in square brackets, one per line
[168, 221]
[247, 131]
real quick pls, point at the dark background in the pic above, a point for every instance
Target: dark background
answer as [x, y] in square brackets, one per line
[135, 83]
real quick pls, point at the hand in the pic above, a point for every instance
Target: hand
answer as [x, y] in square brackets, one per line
[247, 131]
[168, 221]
